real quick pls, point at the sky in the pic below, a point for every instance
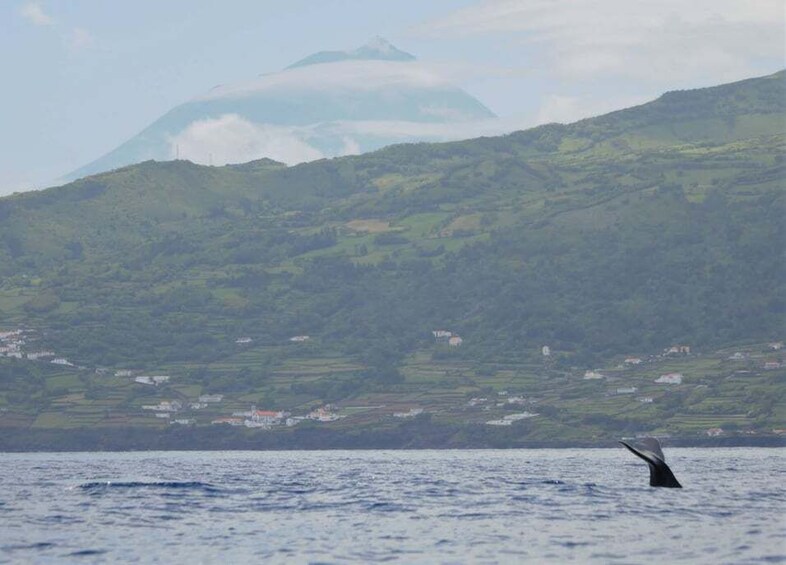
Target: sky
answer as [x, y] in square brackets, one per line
[82, 76]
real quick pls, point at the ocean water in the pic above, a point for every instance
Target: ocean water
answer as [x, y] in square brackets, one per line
[506, 506]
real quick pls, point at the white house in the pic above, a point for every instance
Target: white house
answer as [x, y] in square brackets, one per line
[499, 423]
[124, 373]
[545, 350]
[411, 413]
[441, 334]
[627, 390]
[207, 398]
[593, 374]
[455, 341]
[61, 361]
[670, 379]
[299, 338]
[243, 340]
[633, 361]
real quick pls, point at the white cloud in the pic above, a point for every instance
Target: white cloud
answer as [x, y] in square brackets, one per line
[647, 40]
[565, 109]
[365, 75]
[34, 13]
[79, 39]
[232, 139]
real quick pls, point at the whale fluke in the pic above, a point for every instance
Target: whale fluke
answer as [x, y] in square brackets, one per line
[650, 451]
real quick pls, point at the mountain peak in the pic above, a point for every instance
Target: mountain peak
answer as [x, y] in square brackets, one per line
[376, 49]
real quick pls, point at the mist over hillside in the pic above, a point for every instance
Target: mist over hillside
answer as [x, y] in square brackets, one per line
[330, 103]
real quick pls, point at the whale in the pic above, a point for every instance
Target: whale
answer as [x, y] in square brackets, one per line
[649, 450]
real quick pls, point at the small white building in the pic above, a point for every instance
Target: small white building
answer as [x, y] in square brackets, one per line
[441, 334]
[299, 338]
[633, 361]
[411, 413]
[124, 373]
[208, 398]
[243, 340]
[627, 390]
[61, 361]
[545, 350]
[455, 341]
[593, 374]
[715, 432]
[645, 399]
[670, 379]
[502, 422]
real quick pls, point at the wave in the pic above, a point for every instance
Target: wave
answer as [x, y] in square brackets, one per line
[166, 485]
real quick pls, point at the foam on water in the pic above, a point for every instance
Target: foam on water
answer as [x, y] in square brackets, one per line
[407, 506]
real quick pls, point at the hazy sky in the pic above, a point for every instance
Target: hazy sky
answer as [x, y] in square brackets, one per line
[79, 77]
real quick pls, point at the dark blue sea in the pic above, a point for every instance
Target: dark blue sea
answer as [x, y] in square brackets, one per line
[511, 506]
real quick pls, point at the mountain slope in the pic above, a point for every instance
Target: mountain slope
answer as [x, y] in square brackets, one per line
[606, 239]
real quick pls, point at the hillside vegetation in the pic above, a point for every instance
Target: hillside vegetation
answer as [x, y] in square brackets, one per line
[614, 236]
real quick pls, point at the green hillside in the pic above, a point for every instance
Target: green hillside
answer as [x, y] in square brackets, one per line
[614, 236]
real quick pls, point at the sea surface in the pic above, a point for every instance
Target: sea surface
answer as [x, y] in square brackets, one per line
[507, 506]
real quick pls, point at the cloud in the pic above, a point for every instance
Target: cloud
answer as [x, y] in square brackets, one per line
[232, 139]
[364, 75]
[647, 40]
[79, 39]
[565, 109]
[34, 13]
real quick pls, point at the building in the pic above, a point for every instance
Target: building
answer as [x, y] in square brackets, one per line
[715, 432]
[593, 374]
[627, 390]
[645, 399]
[545, 350]
[455, 341]
[299, 338]
[124, 373]
[670, 379]
[771, 364]
[208, 398]
[441, 335]
[61, 361]
[243, 340]
[633, 361]
[228, 421]
[411, 413]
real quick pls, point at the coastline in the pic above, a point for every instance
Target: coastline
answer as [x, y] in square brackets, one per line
[228, 439]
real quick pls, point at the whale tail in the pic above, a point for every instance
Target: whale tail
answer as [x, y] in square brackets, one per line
[650, 451]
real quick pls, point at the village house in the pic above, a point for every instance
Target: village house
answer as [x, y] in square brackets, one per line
[162, 415]
[593, 374]
[737, 356]
[243, 340]
[184, 421]
[546, 351]
[678, 350]
[299, 338]
[645, 399]
[61, 361]
[441, 336]
[670, 379]
[164, 406]
[324, 414]
[627, 390]
[411, 413]
[633, 361]
[771, 364]
[499, 423]
[229, 421]
[775, 345]
[124, 373]
[198, 405]
[19, 355]
[266, 417]
[455, 341]
[207, 398]
[36, 355]
[714, 432]
[152, 380]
